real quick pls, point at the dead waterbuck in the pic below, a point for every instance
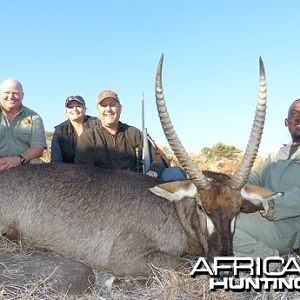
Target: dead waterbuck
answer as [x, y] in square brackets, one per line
[120, 220]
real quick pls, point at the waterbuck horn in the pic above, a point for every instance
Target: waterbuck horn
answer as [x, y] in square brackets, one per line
[240, 177]
[198, 178]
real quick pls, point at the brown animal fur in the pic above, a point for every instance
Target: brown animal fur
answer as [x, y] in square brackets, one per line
[105, 218]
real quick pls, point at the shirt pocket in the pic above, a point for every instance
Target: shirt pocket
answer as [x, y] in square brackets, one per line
[23, 133]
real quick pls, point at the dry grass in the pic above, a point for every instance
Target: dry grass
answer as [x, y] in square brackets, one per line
[163, 285]
[167, 284]
[9, 288]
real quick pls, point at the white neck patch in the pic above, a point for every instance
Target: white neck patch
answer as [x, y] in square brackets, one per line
[210, 226]
[232, 225]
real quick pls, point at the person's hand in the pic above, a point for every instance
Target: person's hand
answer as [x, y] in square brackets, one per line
[9, 162]
[3, 163]
[152, 173]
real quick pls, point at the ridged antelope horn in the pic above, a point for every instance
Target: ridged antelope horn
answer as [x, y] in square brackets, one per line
[240, 177]
[184, 159]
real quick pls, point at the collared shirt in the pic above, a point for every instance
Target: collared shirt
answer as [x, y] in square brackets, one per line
[284, 153]
[97, 147]
[24, 131]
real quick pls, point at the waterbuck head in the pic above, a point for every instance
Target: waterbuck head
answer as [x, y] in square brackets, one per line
[218, 196]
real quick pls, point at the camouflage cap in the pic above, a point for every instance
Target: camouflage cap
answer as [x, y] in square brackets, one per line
[75, 98]
[107, 94]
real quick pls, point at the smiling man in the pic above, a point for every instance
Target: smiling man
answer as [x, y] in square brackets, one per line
[277, 229]
[293, 124]
[22, 133]
[116, 145]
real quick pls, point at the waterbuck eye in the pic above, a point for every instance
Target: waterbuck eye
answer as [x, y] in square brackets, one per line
[199, 206]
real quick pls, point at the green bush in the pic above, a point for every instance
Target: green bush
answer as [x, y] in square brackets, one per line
[220, 150]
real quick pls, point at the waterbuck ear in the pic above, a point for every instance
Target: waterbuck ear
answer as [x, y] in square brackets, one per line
[175, 190]
[254, 197]
[251, 192]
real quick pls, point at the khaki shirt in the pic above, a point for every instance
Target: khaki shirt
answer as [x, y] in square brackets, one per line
[25, 131]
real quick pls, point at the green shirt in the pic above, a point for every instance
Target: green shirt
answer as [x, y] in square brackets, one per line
[25, 131]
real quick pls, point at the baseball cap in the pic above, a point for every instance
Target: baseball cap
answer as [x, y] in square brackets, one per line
[75, 98]
[107, 94]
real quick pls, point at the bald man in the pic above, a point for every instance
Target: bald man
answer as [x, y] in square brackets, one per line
[276, 230]
[22, 133]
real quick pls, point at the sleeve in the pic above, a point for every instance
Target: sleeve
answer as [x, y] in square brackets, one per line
[288, 205]
[38, 137]
[85, 149]
[56, 154]
[256, 176]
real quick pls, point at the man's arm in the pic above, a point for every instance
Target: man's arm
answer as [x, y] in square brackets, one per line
[286, 206]
[14, 161]
[33, 152]
[256, 176]
[37, 146]
[38, 140]
[158, 160]
[38, 136]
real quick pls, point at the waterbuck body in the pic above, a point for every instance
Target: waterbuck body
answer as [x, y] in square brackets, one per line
[106, 218]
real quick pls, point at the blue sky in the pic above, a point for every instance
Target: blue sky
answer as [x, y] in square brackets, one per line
[210, 75]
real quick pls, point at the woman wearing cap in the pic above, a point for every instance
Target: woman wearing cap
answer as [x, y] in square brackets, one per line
[66, 134]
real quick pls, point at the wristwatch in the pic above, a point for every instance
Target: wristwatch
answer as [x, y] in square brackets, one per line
[269, 214]
[23, 160]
